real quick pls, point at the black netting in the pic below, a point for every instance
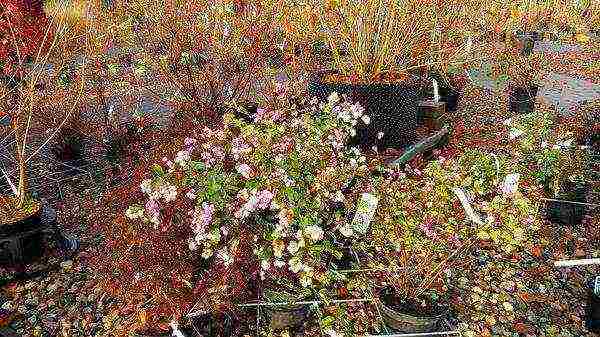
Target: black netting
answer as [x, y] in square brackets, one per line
[391, 107]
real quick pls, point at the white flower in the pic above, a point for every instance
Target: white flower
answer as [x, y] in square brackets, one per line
[346, 231]
[339, 196]
[224, 231]
[357, 110]
[225, 257]
[374, 148]
[295, 265]
[366, 119]
[265, 265]
[182, 158]
[207, 253]
[314, 232]
[352, 162]
[566, 143]
[515, 133]
[192, 245]
[191, 194]
[244, 170]
[380, 135]
[279, 263]
[507, 122]
[333, 98]
[293, 247]
[146, 186]
[544, 144]
[362, 159]
[353, 132]
[332, 333]
[355, 151]
[305, 281]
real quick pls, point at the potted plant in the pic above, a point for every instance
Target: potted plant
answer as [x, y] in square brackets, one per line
[70, 147]
[373, 52]
[255, 195]
[30, 58]
[574, 190]
[423, 225]
[523, 74]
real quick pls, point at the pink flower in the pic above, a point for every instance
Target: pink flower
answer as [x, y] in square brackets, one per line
[208, 211]
[152, 208]
[264, 199]
[244, 170]
[189, 143]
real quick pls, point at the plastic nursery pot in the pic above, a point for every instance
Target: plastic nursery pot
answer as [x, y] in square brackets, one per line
[21, 241]
[213, 325]
[392, 108]
[406, 316]
[568, 213]
[346, 260]
[284, 316]
[248, 112]
[522, 100]
[70, 148]
[592, 321]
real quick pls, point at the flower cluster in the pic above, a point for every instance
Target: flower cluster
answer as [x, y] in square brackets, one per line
[274, 179]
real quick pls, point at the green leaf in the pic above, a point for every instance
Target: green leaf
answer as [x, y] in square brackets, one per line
[158, 170]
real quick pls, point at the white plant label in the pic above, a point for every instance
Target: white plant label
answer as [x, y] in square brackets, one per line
[365, 210]
[436, 91]
[467, 206]
[510, 184]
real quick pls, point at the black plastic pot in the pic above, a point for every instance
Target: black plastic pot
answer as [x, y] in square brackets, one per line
[21, 242]
[522, 100]
[209, 325]
[70, 148]
[592, 320]
[404, 322]
[249, 113]
[346, 260]
[391, 107]
[284, 316]
[568, 213]
[446, 92]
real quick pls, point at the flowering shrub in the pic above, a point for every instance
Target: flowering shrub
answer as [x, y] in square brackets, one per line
[421, 225]
[274, 180]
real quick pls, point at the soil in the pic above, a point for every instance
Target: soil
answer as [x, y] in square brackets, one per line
[423, 307]
[10, 214]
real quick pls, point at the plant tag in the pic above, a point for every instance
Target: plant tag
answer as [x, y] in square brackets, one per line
[436, 91]
[467, 206]
[597, 286]
[365, 210]
[510, 184]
